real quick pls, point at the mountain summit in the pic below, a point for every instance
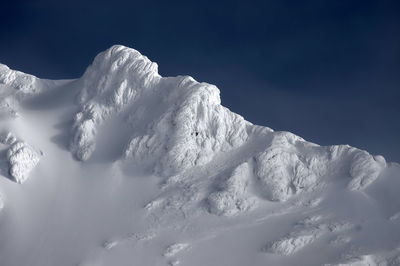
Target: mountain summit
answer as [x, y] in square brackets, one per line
[122, 141]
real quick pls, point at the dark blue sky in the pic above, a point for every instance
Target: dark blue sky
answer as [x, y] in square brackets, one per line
[328, 71]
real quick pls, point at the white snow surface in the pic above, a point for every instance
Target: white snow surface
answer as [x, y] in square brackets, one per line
[113, 167]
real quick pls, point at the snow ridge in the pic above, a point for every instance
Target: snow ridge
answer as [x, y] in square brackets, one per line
[178, 123]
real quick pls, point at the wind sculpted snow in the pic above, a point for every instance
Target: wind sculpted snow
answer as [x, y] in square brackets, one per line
[121, 163]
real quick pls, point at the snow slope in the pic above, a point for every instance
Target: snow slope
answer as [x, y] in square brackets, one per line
[125, 167]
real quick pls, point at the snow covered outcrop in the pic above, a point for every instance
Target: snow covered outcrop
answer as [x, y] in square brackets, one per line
[291, 165]
[83, 141]
[233, 196]
[116, 77]
[22, 159]
[18, 81]
[15, 87]
[291, 244]
[174, 249]
[305, 233]
[283, 171]
[193, 128]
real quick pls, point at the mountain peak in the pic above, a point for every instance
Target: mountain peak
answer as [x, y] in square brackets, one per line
[199, 160]
[183, 125]
[117, 68]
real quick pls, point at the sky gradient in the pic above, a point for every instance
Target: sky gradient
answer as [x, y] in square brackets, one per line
[328, 71]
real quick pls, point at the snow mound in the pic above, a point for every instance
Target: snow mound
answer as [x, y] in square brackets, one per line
[174, 249]
[22, 159]
[291, 244]
[306, 232]
[234, 195]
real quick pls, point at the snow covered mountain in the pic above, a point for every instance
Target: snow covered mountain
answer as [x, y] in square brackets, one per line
[125, 167]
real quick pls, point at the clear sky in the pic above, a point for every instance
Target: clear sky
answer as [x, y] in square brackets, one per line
[328, 71]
